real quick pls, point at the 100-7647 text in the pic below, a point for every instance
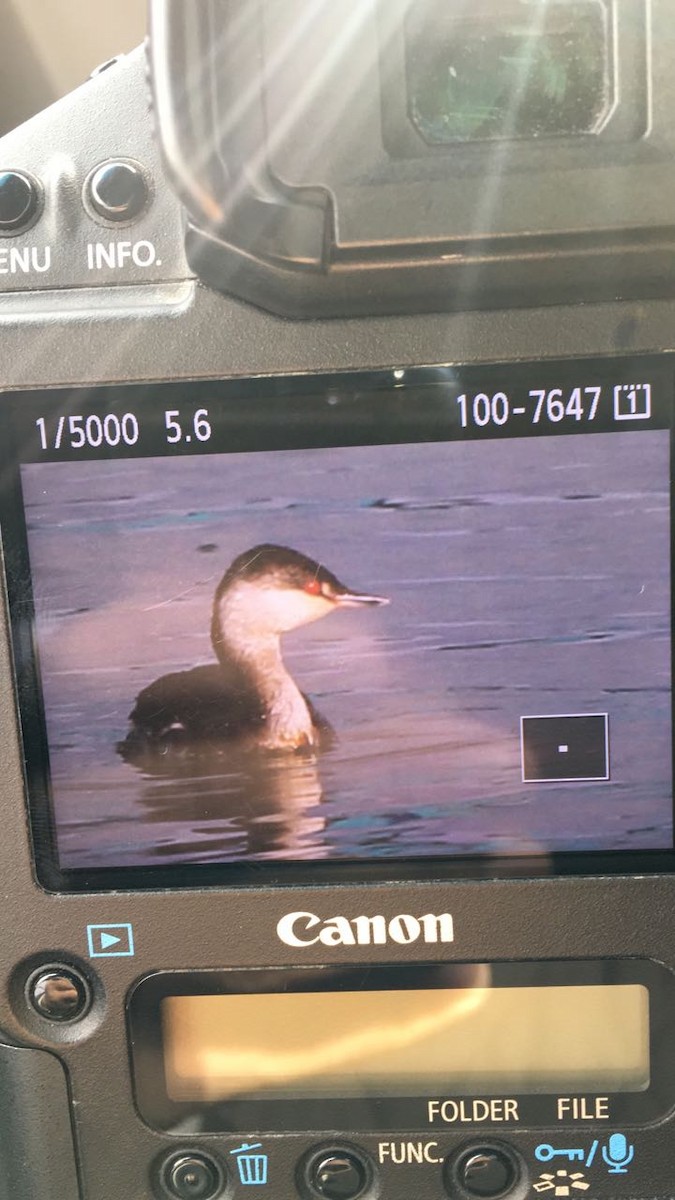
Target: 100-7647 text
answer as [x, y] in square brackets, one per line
[552, 406]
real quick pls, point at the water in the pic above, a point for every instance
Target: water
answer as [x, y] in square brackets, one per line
[525, 577]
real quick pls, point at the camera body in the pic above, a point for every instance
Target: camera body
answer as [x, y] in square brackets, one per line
[110, 314]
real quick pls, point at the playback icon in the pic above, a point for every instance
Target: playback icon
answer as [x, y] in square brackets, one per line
[110, 941]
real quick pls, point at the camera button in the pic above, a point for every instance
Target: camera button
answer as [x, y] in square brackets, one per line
[484, 1172]
[117, 191]
[59, 994]
[337, 1174]
[193, 1177]
[19, 201]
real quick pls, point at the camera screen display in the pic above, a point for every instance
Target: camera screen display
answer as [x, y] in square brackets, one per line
[400, 1048]
[313, 622]
[417, 1042]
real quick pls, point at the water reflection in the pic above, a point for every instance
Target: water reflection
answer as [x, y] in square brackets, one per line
[264, 804]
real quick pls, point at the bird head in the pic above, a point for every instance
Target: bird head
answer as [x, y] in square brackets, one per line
[281, 589]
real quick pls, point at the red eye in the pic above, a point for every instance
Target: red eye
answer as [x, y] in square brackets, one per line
[313, 587]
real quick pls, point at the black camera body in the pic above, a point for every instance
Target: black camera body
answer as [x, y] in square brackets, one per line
[415, 934]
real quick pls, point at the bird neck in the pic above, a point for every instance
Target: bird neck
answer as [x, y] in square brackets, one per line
[255, 655]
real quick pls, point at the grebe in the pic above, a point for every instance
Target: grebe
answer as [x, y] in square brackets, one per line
[248, 695]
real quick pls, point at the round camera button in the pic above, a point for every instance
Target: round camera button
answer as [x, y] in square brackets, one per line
[338, 1175]
[59, 994]
[484, 1172]
[19, 201]
[117, 191]
[193, 1177]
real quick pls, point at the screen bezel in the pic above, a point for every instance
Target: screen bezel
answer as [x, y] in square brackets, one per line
[536, 1110]
[284, 401]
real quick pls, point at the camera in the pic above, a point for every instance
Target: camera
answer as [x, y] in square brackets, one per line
[336, 650]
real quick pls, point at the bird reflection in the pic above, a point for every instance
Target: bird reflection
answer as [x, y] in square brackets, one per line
[263, 805]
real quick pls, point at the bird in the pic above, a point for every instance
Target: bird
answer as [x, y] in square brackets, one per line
[248, 696]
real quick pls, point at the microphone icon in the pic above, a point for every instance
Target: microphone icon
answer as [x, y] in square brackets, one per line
[618, 1154]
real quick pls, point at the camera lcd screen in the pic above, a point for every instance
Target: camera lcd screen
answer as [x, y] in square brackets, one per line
[318, 1044]
[314, 622]
[401, 1048]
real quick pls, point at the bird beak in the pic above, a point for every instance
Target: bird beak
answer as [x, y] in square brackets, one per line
[353, 600]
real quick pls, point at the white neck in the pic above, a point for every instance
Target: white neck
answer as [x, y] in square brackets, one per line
[240, 639]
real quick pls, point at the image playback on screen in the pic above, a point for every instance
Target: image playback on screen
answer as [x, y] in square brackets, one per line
[491, 676]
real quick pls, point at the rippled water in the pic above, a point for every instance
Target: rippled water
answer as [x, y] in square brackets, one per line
[525, 577]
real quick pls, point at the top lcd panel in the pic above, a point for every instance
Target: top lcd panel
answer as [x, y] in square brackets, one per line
[325, 623]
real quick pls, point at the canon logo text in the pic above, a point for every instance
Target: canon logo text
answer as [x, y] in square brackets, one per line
[306, 929]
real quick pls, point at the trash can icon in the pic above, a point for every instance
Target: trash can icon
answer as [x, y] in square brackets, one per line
[252, 1167]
